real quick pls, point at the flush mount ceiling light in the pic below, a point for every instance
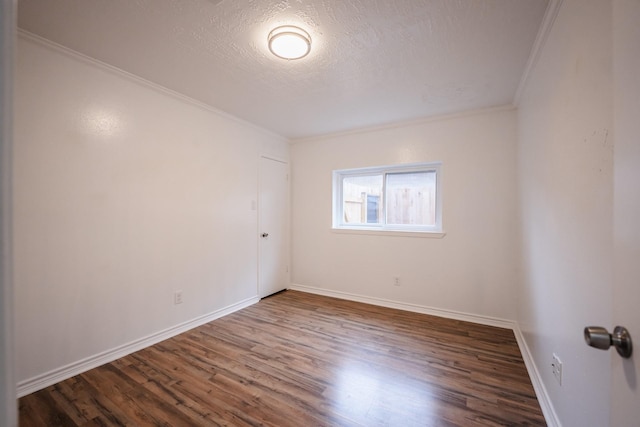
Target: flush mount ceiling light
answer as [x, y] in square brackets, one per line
[289, 42]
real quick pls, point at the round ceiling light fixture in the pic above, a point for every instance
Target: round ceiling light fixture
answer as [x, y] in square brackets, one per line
[289, 42]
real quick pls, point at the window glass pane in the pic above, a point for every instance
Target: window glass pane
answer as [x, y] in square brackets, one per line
[361, 197]
[411, 198]
[373, 209]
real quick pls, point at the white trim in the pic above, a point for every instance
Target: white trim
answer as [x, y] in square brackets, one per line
[60, 374]
[550, 415]
[382, 302]
[8, 405]
[392, 233]
[142, 81]
[543, 33]
[405, 123]
[338, 177]
[274, 158]
[538, 386]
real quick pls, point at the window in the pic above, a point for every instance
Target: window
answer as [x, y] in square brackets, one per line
[388, 198]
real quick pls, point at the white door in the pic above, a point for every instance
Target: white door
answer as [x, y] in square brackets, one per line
[625, 385]
[273, 226]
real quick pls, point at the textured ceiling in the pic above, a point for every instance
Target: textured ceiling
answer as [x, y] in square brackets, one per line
[372, 62]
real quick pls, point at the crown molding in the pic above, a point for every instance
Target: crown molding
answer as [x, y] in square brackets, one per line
[541, 39]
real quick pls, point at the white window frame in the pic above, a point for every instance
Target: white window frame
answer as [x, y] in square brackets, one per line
[338, 224]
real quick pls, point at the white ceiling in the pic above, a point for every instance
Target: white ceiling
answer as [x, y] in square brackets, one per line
[372, 62]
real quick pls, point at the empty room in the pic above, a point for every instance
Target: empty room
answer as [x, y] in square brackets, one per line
[320, 213]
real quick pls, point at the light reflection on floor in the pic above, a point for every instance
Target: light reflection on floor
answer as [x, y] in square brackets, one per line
[373, 395]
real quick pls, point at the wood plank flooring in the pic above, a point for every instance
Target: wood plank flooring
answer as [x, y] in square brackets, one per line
[297, 359]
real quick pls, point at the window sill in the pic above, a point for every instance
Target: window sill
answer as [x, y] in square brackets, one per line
[394, 233]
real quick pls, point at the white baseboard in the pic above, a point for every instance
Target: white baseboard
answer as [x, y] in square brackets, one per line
[449, 314]
[538, 385]
[548, 410]
[60, 374]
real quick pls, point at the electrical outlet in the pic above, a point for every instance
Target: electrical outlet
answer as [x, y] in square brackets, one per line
[556, 366]
[396, 281]
[177, 297]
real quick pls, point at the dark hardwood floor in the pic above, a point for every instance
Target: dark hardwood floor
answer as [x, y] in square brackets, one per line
[298, 359]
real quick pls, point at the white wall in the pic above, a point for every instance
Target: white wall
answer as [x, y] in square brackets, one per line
[470, 270]
[565, 170]
[124, 193]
